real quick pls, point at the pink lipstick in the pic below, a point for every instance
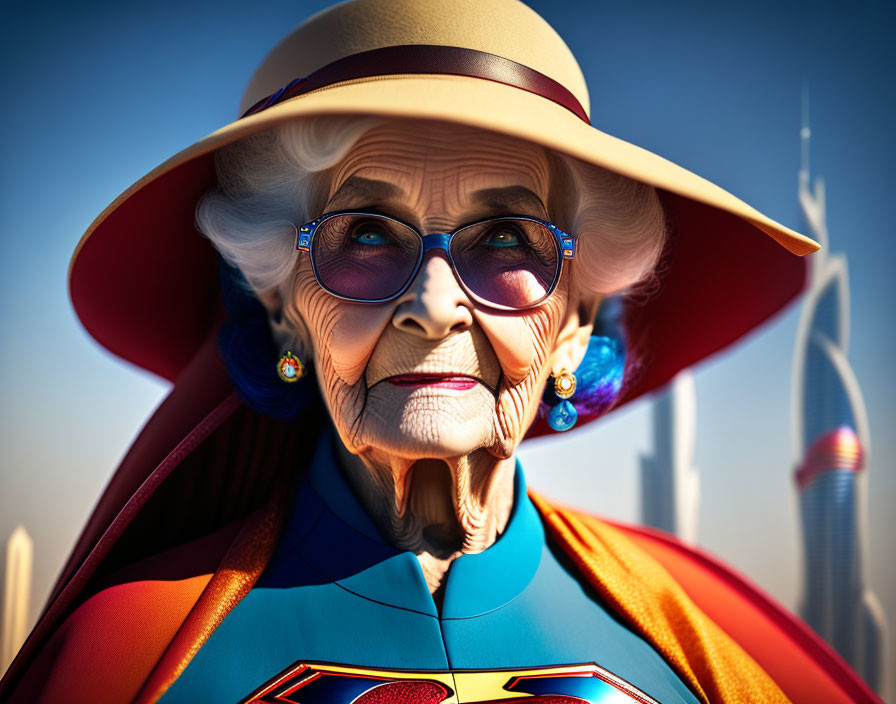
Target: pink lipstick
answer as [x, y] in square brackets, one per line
[442, 381]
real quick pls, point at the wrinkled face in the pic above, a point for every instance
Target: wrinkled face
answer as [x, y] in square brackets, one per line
[434, 373]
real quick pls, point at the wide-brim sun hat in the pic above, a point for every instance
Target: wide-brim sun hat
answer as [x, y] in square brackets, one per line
[144, 282]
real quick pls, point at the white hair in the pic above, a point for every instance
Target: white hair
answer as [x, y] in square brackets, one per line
[272, 181]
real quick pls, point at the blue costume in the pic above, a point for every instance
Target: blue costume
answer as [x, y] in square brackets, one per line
[337, 594]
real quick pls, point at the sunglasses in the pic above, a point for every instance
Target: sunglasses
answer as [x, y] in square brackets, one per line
[508, 263]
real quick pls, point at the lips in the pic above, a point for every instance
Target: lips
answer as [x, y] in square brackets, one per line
[457, 382]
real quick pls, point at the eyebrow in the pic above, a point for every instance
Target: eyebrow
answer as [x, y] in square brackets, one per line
[511, 195]
[357, 189]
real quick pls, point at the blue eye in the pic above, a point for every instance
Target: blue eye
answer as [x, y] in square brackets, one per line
[372, 237]
[503, 237]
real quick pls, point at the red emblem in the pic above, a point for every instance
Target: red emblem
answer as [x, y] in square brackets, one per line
[322, 683]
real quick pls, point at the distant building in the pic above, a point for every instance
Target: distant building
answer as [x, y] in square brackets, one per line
[670, 485]
[19, 556]
[832, 448]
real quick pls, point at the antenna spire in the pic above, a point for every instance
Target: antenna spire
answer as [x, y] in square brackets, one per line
[811, 195]
[805, 132]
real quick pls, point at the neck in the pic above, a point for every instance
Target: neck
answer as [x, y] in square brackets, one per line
[437, 508]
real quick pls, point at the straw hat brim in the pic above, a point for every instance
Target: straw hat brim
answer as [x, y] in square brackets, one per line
[143, 282]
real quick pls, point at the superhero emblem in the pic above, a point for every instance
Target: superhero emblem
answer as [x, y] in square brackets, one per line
[324, 683]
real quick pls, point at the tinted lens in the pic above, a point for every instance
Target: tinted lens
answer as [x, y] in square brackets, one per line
[368, 257]
[508, 262]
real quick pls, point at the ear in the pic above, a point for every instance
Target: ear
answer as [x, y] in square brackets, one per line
[286, 334]
[573, 338]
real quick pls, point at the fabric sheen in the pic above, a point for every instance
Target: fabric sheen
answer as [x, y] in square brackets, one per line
[336, 591]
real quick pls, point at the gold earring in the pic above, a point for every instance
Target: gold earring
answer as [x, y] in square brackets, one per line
[290, 367]
[563, 416]
[564, 384]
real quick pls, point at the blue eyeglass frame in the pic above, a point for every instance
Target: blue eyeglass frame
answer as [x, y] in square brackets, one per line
[565, 243]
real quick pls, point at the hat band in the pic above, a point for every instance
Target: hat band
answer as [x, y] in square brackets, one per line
[432, 59]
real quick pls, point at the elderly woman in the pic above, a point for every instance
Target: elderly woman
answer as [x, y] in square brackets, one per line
[424, 236]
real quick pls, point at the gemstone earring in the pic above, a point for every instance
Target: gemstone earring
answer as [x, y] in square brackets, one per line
[563, 416]
[290, 367]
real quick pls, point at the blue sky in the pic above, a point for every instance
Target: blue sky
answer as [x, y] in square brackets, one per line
[97, 94]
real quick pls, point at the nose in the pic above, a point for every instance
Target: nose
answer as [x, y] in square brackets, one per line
[434, 305]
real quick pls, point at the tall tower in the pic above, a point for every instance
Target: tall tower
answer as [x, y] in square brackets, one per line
[832, 447]
[670, 485]
[19, 554]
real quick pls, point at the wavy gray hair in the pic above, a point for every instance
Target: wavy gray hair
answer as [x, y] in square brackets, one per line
[274, 180]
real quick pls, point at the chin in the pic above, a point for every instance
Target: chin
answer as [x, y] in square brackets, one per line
[427, 423]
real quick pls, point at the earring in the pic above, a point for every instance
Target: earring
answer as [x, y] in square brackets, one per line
[290, 367]
[563, 416]
[596, 384]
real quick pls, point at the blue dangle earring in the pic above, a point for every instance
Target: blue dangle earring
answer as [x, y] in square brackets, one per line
[596, 385]
[563, 416]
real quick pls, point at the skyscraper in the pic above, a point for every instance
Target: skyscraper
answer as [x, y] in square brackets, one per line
[670, 485]
[832, 448]
[19, 553]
